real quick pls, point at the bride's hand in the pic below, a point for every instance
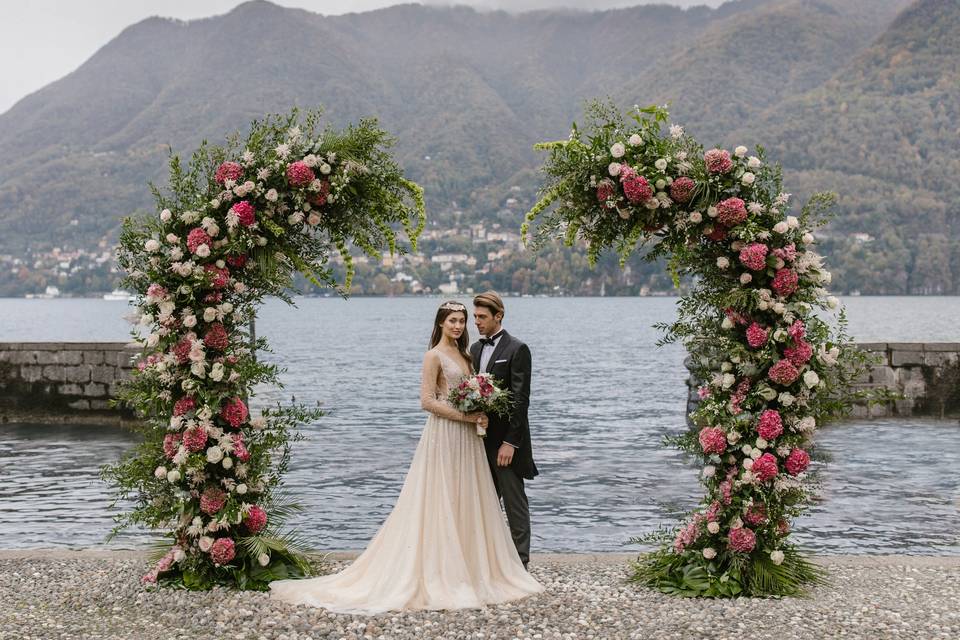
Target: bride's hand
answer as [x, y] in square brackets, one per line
[478, 417]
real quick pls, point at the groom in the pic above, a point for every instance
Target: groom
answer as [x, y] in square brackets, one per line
[508, 438]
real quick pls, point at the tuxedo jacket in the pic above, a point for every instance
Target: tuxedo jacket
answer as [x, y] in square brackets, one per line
[511, 366]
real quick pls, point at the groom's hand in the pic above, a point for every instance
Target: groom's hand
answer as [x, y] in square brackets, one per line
[505, 455]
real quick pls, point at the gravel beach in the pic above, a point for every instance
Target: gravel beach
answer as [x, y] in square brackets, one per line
[95, 594]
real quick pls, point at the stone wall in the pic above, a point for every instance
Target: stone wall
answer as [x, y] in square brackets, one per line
[925, 376]
[62, 382]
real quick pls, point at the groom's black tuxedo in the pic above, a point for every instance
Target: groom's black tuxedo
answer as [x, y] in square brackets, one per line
[511, 365]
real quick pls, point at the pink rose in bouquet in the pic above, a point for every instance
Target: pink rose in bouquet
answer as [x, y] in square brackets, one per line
[480, 392]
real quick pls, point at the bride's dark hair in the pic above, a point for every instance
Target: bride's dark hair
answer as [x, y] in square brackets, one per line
[446, 309]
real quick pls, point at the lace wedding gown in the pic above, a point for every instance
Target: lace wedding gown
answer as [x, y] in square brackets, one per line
[446, 544]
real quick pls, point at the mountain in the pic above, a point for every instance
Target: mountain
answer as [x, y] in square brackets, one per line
[848, 94]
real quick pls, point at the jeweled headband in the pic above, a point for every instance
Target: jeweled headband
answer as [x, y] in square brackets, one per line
[453, 306]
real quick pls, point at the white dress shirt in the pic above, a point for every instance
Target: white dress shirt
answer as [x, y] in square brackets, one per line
[487, 352]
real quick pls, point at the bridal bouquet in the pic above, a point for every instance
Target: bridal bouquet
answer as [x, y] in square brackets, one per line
[479, 392]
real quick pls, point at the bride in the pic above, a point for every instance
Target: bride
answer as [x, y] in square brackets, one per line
[445, 545]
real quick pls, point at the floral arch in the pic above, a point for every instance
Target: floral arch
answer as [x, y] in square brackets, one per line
[754, 319]
[234, 226]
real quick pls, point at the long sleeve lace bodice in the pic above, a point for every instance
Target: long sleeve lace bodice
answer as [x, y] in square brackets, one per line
[440, 373]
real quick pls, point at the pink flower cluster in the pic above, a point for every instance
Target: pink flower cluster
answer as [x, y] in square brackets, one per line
[234, 412]
[765, 467]
[245, 213]
[216, 337]
[240, 451]
[713, 511]
[689, 534]
[221, 277]
[731, 212]
[228, 171]
[770, 425]
[605, 190]
[319, 198]
[757, 335]
[181, 350]
[718, 161]
[157, 291]
[171, 442]
[183, 405]
[299, 174]
[756, 515]
[682, 189]
[742, 539]
[799, 354]
[222, 551]
[635, 187]
[739, 395]
[787, 253]
[785, 282]
[797, 462]
[238, 261]
[197, 237]
[754, 256]
[195, 439]
[212, 500]
[256, 519]
[783, 372]
[712, 440]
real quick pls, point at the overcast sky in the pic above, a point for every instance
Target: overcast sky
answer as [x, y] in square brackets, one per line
[44, 40]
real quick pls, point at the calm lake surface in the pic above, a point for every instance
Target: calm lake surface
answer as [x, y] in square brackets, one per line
[603, 398]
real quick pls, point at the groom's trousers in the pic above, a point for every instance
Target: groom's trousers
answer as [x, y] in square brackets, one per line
[510, 489]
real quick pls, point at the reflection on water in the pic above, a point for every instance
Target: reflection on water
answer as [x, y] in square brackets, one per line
[603, 399]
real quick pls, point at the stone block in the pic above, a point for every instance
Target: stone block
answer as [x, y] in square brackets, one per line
[915, 389]
[31, 372]
[905, 346]
[92, 357]
[80, 373]
[80, 404]
[103, 373]
[113, 388]
[54, 372]
[70, 389]
[882, 375]
[872, 346]
[94, 390]
[879, 411]
[100, 405]
[939, 358]
[942, 346]
[70, 356]
[900, 357]
[903, 408]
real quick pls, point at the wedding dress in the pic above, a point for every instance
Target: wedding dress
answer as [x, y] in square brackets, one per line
[446, 544]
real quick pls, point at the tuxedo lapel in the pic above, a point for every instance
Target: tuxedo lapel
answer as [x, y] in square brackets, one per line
[501, 345]
[475, 350]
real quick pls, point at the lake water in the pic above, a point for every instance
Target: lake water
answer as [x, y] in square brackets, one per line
[603, 398]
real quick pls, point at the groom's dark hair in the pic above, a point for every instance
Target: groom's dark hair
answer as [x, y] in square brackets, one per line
[491, 300]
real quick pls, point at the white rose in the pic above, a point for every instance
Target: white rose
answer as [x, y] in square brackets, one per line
[781, 227]
[172, 238]
[325, 169]
[713, 527]
[216, 373]
[807, 424]
[214, 454]
[709, 471]
[152, 340]
[160, 472]
[763, 305]
[736, 523]
[313, 219]
[746, 449]
[614, 168]
[762, 443]
[271, 195]
[793, 222]
[173, 476]
[745, 278]
[726, 366]
[696, 217]
[660, 164]
[776, 557]
[712, 212]
[190, 321]
[753, 162]
[756, 453]
[807, 238]
[227, 463]
[209, 314]
[722, 262]
[151, 245]
[203, 251]
[833, 302]
[740, 151]
[635, 140]
[660, 185]
[205, 542]
[179, 555]
[779, 308]
[727, 323]
[709, 553]
[199, 369]
[617, 150]
[165, 215]
[728, 380]
[263, 559]
[748, 178]
[786, 399]
[241, 488]
[733, 437]
[811, 379]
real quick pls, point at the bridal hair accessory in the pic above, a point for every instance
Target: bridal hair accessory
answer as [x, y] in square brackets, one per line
[453, 306]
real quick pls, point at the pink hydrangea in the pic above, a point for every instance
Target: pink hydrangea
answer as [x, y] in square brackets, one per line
[256, 519]
[238, 261]
[757, 335]
[234, 412]
[195, 439]
[240, 451]
[765, 467]
[299, 174]
[212, 500]
[682, 189]
[783, 372]
[718, 161]
[605, 190]
[220, 277]
[742, 539]
[800, 353]
[735, 316]
[198, 237]
[726, 491]
[717, 234]
[171, 443]
[754, 256]
[739, 396]
[228, 171]
[181, 350]
[783, 527]
[797, 330]
[635, 187]
[785, 282]
[797, 462]
[770, 425]
[222, 551]
[755, 515]
[245, 213]
[713, 511]
[183, 405]
[216, 337]
[712, 440]
[319, 198]
[787, 253]
[157, 291]
[731, 212]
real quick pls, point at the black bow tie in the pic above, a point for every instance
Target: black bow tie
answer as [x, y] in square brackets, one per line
[488, 341]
